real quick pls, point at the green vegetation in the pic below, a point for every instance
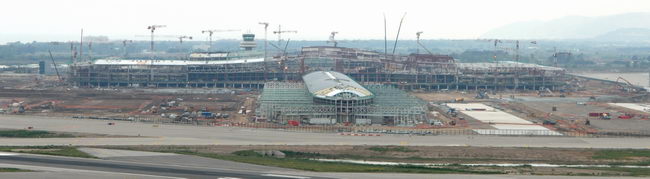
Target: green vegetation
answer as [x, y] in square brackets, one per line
[630, 171]
[13, 170]
[305, 161]
[291, 161]
[391, 149]
[49, 150]
[621, 154]
[31, 134]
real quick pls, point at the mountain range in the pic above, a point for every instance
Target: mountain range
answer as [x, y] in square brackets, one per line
[619, 27]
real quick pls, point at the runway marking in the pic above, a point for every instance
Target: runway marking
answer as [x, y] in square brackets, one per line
[59, 169]
[285, 176]
[154, 164]
[7, 154]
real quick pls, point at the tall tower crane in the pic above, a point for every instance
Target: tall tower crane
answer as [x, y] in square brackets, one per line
[153, 28]
[179, 37]
[266, 42]
[516, 50]
[417, 34]
[332, 40]
[124, 45]
[280, 32]
[210, 32]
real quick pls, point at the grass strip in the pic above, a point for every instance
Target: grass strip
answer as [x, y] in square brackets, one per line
[31, 134]
[621, 154]
[249, 156]
[14, 170]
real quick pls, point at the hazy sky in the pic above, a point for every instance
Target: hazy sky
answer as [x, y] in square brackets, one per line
[61, 20]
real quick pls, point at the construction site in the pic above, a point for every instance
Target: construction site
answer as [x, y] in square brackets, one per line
[332, 89]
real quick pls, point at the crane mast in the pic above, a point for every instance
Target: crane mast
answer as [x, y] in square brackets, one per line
[210, 32]
[153, 28]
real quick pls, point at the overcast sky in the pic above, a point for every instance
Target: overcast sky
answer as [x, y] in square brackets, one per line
[61, 20]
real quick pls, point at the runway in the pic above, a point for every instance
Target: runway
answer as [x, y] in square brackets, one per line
[54, 167]
[140, 169]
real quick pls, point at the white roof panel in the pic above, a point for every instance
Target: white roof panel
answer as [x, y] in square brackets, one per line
[174, 62]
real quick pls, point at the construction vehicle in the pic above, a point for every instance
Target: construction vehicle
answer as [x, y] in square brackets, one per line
[482, 94]
[605, 116]
[547, 122]
[601, 115]
[452, 112]
[626, 116]
[627, 86]
[545, 92]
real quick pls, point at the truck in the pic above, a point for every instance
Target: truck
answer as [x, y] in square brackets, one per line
[601, 115]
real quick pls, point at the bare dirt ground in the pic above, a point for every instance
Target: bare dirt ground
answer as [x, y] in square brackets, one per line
[117, 103]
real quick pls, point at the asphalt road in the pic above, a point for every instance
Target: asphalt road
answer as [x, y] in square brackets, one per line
[199, 135]
[53, 167]
[147, 169]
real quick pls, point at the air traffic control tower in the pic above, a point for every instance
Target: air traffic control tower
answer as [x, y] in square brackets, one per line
[248, 43]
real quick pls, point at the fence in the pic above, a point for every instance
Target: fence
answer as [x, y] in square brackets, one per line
[339, 128]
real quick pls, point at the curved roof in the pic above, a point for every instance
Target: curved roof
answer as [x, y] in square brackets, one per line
[331, 84]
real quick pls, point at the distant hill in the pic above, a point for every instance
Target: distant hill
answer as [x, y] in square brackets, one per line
[626, 35]
[575, 27]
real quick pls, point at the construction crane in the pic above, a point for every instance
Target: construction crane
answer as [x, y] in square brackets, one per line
[332, 40]
[496, 61]
[210, 32]
[418, 41]
[153, 28]
[266, 42]
[54, 64]
[124, 45]
[280, 32]
[184, 37]
[283, 58]
[399, 29]
[516, 49]
[179, 37]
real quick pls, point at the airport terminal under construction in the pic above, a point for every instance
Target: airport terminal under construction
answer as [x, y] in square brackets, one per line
[411, 72]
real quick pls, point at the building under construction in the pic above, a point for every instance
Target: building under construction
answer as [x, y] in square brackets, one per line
[328, 97]
[230, 70]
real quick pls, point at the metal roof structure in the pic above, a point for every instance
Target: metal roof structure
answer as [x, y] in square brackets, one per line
[282, 101]
[110, 61]
[331, 84]
[507, 65]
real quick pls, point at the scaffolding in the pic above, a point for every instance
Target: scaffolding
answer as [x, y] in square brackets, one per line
[411, 72]
[281, 102]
